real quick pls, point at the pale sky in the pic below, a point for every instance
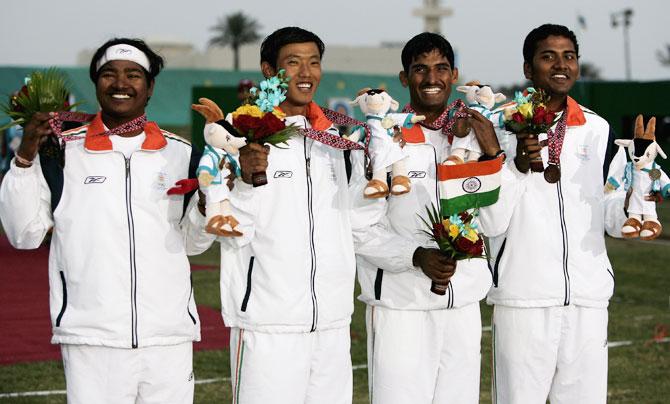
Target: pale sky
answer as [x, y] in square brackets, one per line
[487, 35]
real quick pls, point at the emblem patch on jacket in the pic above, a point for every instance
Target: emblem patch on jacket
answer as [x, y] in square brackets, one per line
[583, 151]
[161, 181]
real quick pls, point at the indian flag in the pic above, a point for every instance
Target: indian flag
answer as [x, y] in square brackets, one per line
[469, 185]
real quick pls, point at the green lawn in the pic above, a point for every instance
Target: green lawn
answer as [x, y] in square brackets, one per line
[637, 373]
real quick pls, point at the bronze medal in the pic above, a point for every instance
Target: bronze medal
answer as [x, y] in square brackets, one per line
[552, 173]
[655, 174]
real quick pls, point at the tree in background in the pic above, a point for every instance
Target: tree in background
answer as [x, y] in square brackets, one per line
[589, 71]
[664, 56]
[235, 30]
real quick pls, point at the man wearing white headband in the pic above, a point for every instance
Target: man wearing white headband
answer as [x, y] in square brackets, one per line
[123, 52]
[122, 305]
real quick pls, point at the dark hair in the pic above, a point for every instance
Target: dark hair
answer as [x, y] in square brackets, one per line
[155, 61]
[426, 42]
[540, 34]
[286, 36]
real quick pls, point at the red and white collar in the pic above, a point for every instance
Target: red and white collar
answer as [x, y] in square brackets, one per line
[94, 142]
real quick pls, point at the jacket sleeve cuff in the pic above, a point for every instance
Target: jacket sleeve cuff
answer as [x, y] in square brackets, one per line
[411, 249]
[23, 171]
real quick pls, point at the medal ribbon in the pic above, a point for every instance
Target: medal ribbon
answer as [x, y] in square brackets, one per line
[443, 121]
[336, 141]
[555, 140]
[56, 124]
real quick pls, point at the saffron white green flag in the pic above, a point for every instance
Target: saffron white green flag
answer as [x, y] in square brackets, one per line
[469, 185]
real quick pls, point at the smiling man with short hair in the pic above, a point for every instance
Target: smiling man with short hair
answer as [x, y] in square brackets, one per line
[423, 348]
[122, 306]
[552, 277]
[287, 283]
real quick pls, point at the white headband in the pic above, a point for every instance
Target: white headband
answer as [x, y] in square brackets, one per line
[124, 52]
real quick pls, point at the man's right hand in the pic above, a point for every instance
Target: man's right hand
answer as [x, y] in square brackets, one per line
[34, 134]
[253, 159]
[527, 149]
[437, 266]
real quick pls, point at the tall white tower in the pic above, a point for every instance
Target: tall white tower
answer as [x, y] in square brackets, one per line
[432, 13]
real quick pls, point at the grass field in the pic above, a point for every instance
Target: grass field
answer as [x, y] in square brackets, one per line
[638, 373]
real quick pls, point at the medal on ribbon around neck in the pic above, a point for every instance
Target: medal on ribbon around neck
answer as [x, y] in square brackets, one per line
[552, 174]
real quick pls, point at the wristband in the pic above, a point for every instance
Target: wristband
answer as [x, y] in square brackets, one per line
[23, 161]
[499, 153]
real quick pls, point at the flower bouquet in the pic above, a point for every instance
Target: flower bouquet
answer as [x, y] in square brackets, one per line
[260, 121]
[44, 91]
[457, 236]
[529, 117]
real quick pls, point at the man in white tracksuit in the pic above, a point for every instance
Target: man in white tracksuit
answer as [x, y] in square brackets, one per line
[552, 277]
[287, 284]
[422, 347]
[121, 299]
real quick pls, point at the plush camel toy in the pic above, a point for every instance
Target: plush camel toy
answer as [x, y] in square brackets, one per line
[645, 182]
[482, 99]
[216, 164]
[386, 141]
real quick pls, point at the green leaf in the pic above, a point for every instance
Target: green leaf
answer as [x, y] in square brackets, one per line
[47, 91]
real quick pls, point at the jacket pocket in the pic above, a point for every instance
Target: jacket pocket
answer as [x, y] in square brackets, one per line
[497, 263]
[64, 305]
[609, 271]
[188, 310]
[378, 283]
[247, 293]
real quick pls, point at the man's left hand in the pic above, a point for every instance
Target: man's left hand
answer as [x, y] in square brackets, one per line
[484, 132]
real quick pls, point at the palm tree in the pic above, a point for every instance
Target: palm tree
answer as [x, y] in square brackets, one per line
[664, 56]
[235, 30]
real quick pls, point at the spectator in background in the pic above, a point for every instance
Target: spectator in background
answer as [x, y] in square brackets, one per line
[243, 89]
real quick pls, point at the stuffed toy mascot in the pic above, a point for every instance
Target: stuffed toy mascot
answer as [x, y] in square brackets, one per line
[216, 165]
[385, 143]
[646, 184]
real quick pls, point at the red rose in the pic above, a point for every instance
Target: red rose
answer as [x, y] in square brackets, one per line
[468, 247]
[439, 231]
[549, 118]
[517, 117]
[269, 124]
[478, 249]
[245, 123]
[539, 115]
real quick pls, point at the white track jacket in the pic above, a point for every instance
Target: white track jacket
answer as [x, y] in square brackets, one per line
[118, 271]
[549, 248]
[293, 269]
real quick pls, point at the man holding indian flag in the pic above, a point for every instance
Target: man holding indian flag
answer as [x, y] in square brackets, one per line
[423, 320]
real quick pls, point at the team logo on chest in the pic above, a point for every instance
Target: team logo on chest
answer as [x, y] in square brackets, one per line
[161, 181]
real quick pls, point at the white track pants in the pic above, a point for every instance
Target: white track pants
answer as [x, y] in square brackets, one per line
[291, 368]
[558, 353]
[424, 357]
[151, 375]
